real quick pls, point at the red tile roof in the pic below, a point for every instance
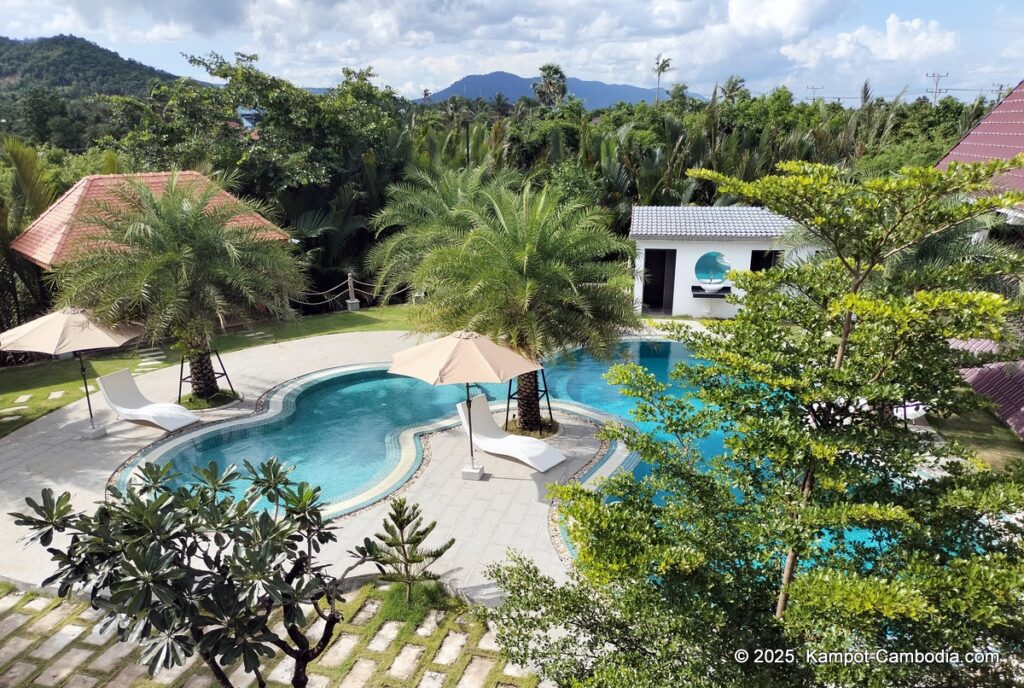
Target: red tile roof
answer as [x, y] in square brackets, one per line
[48, 240]
[998, 136]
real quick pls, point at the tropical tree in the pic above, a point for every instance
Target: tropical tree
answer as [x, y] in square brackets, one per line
[22, 292]
[423, 213]
[551, 88]
[662, 65]
[534, 271]
[202, 568]
[400, 554]
[824, 524]
[733, 89]
[184, 262]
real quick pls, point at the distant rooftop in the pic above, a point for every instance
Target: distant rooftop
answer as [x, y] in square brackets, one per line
[998, 136]
[50, 239]
[697, 222]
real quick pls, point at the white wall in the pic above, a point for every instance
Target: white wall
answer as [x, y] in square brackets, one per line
[736, 252]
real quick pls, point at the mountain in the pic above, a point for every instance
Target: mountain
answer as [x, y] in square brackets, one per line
[594, 94]
[72, 66]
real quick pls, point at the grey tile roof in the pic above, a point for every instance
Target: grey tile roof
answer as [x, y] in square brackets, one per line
[694, 222]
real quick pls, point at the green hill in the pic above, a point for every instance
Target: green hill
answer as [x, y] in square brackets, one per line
[72, 66]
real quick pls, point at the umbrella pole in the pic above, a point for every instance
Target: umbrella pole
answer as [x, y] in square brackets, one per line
[85, 386]
[469, 420]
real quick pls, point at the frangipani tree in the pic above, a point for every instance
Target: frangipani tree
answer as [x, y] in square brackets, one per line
[827, 525]
[195, 569]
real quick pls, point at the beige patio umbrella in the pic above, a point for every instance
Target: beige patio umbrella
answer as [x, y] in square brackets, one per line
[462, 358]
[67, 331]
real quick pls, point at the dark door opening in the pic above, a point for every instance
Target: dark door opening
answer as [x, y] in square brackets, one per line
[660, 266]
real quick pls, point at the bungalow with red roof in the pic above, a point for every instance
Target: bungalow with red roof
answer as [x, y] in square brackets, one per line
[998, 136]
[49, 240]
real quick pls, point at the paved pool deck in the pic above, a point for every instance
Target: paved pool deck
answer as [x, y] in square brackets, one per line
[508, 509]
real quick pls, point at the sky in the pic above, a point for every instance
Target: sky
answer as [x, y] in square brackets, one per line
[428, 44]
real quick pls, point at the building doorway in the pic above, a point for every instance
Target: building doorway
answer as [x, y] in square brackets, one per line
[660, 266]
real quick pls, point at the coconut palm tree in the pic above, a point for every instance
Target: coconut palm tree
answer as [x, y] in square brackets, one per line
[661, 66]
[733, 89]
[182, 263]
[537, 273]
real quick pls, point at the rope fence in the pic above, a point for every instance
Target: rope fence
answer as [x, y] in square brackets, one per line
[347, 290]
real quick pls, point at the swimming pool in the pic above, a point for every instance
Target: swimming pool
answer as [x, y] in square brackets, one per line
[342, 430]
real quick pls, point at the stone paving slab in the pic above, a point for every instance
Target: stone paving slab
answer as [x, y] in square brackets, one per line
[56, 642]
[385, 636]
[406, 661]
[60, 669]
[476, 673]
[451, 648]
[17, 673]
[360, 674]
[64, 654]
[340, 650]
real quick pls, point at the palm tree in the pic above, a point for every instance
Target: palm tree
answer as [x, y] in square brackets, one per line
[423, 213]
[537, 273]
[501, 105]
[181, 263]
[661, 66]
[551, 88]
[733, 89]
[22, 292]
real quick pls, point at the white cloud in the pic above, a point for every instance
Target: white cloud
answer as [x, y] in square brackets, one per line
[911, 40]
[414, 44]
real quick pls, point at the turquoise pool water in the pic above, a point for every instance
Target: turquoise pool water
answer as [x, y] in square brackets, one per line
[341, 432]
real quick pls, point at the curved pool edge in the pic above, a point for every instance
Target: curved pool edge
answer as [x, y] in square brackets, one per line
[407, 442]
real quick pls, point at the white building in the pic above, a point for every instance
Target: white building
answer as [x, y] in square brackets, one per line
[684, 252]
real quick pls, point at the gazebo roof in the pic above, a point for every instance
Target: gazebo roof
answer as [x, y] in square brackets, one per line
[998, 136]
[48, 241]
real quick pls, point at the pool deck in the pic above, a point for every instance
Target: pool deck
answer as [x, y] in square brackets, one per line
[508, 509]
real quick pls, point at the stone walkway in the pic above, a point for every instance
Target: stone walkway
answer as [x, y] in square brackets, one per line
[48, 642]
[509, 508]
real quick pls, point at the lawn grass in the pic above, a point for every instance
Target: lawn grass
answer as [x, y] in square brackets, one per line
[983, 433]
[44, 378]
[222, 397]
[425, 596]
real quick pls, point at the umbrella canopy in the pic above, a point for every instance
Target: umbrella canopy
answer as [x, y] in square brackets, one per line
[462, 358]
[65, 331]
[459, 358]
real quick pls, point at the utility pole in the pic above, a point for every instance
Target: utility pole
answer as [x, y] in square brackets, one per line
[999, 90]
[936, 77]
[814, 92]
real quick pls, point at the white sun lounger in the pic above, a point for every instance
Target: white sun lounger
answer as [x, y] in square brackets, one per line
[125, 399]
[535, 453]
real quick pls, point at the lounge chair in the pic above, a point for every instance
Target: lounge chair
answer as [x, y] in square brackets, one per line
[535, 453]
[125, 399]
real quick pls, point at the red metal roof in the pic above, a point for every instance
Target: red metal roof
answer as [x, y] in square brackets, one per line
[49, 239]
[998, 136]
[1003, 383]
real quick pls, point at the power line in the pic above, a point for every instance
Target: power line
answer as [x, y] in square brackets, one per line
[937, 77]
[814, 91]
